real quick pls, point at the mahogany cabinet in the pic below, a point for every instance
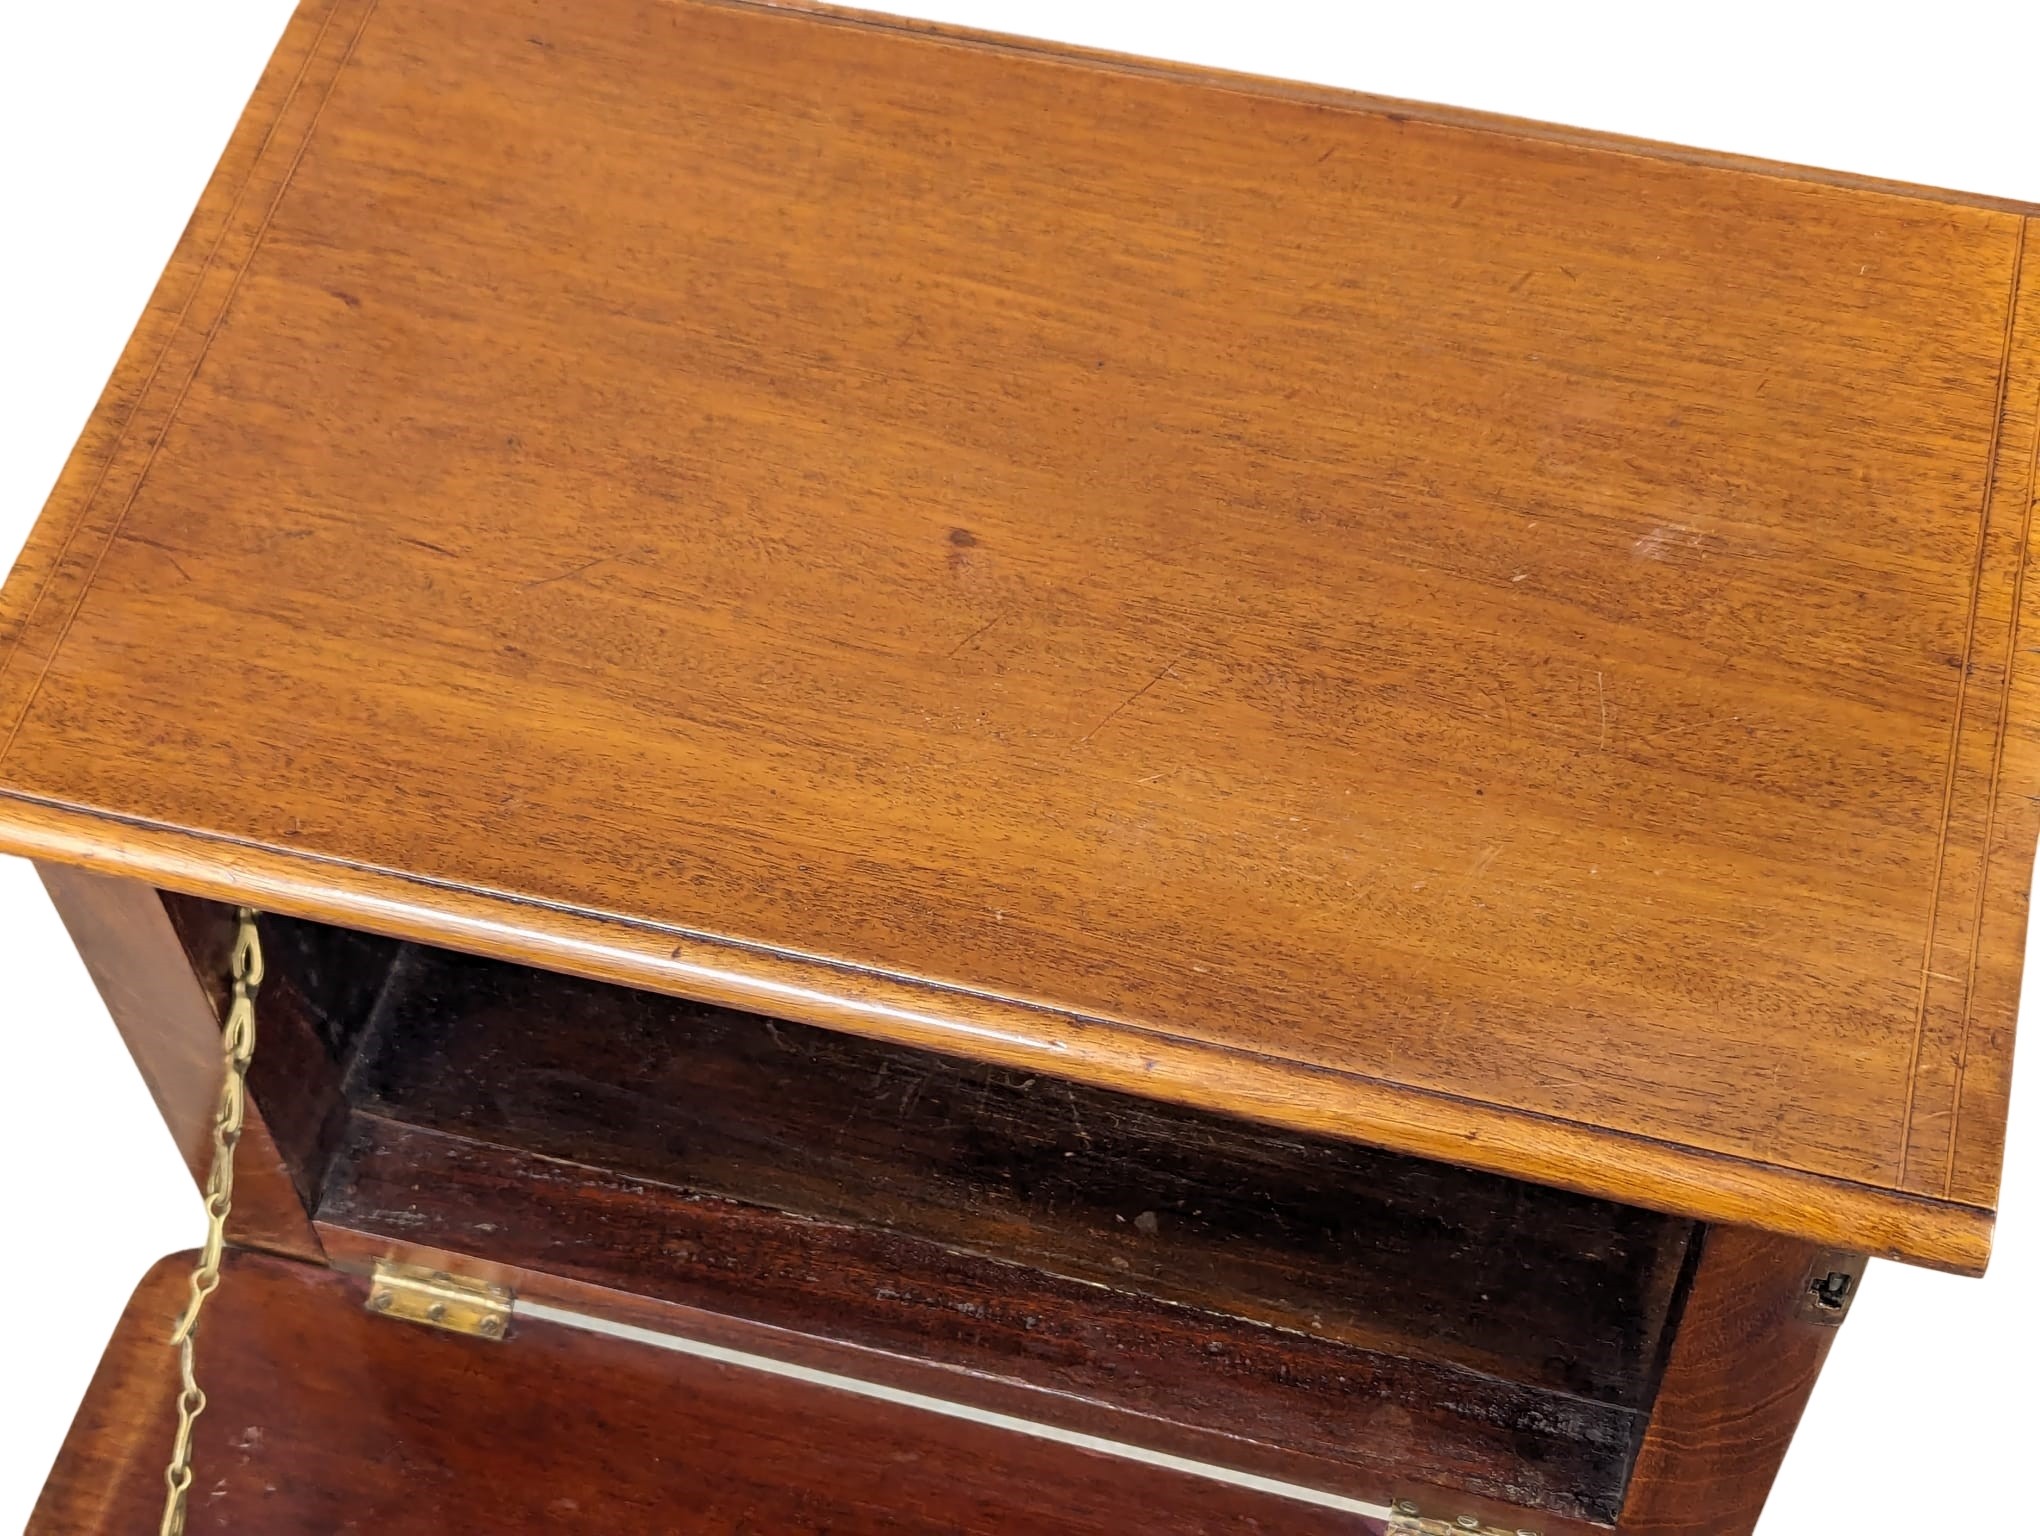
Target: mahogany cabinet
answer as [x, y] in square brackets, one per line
[987, 788]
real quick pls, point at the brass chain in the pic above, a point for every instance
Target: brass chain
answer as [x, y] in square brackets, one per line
[238, 1045]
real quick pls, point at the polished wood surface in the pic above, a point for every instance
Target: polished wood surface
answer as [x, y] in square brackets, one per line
[988, 1391]
[1371, 1420]
[106, 1469]
[1482, 640]
[1741, 1369]
[323, 1418]
[172, 1029]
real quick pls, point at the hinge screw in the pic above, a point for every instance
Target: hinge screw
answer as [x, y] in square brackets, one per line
[1405, 1507]
[491, 1326]
[379, 1302]
[1467, 1523]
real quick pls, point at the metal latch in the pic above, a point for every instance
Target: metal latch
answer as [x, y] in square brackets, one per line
[1831, 1286]
[439, 1300]
[1404, 1520]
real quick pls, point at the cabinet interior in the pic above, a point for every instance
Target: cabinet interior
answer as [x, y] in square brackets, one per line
[1376, 1321]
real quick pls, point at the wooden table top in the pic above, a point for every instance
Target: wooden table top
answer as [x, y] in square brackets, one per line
[1498, 642]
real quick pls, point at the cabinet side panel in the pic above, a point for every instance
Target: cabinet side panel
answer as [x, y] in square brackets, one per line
[319, 993]
[1741, 1369]
[169, 1023]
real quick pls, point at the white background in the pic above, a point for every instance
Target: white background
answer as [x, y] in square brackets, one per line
[111, 116]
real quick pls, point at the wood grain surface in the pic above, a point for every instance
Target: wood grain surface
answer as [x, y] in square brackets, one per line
[1305, 1234]
[323, 1417]
[1492, 642]
[171, 1026]
[1370, 1421]
[319, 989]
[987, 1391]
[1741, 1370]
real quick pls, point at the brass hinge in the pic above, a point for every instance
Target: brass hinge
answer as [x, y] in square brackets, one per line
[439, 1300]
[1404, 1520]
